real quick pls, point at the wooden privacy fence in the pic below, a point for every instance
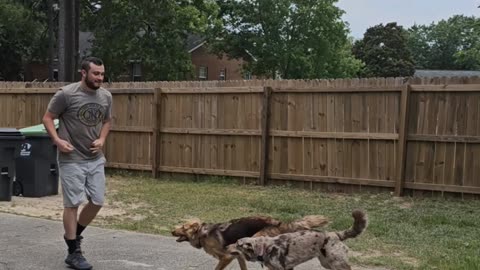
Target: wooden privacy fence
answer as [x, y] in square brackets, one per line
[392, 134]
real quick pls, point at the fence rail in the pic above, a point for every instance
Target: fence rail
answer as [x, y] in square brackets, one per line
[395, 133]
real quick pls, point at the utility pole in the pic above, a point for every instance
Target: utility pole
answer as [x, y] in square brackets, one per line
[68, 40]
[51, 39]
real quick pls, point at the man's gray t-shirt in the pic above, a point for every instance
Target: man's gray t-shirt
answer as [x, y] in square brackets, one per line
[81, 113]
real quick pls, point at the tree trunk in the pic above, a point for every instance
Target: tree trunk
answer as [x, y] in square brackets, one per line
[67, 40]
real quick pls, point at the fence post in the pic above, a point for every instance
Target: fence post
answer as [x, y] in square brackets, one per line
[402, 140]
[156, 118]
[267, 92]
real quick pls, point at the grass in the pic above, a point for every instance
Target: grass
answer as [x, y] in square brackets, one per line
[403, 233]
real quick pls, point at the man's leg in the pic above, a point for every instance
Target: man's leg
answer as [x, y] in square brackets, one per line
[70, 226]
[87, 214]
[75, 257]
[73, 183]
[95, 189]
[70, 222]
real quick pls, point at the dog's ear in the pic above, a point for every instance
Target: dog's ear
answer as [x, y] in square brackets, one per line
[259, 247]
[195, 226]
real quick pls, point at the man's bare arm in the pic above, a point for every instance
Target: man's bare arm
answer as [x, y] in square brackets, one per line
[98, 143]
[62, 145]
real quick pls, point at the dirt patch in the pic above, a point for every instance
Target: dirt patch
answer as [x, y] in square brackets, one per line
[51, 207]
[48, 207]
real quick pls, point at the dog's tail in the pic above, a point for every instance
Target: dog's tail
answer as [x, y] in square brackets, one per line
[305, 223]
[359, 225]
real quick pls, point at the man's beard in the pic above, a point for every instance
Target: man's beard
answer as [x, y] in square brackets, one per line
[91, 83]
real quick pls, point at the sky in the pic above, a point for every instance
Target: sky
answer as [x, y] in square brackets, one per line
[362, 14]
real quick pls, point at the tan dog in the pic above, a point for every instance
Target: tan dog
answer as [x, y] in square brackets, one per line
[214, 238]
[288, 250]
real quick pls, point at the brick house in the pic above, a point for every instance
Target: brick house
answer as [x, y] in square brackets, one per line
[207, 66]
[210, 67]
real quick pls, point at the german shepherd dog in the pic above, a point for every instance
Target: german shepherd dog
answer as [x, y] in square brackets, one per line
[215, 237]
[285, 251]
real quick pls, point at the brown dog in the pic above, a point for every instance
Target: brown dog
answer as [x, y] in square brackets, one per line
[288, 250]
[215, 237]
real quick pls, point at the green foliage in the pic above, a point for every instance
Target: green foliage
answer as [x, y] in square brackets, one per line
[469, 59]
[457, 34]
[20, 38]
[384, 51]
[452, 44]
[287, 38]
[153, 32]
[418, 40]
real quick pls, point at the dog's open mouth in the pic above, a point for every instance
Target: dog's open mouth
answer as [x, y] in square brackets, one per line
[182, 238]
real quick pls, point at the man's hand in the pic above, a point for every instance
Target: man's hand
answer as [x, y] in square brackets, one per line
[64, 146]
[97, 145]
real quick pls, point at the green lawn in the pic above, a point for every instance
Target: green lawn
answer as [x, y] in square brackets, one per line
[403, 233]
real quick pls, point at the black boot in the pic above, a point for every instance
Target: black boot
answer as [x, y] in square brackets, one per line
[76, 260]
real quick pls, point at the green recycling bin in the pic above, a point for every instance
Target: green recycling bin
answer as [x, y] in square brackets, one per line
[36, 165]
[10, 140]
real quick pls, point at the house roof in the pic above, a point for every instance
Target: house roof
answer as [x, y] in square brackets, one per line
[194, 42]
[85, 43]
[446, 73]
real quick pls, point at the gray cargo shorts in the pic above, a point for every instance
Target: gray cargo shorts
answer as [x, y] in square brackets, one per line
[82, 181]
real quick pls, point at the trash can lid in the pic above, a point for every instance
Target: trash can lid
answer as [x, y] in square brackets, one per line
[37, 130]
[10, 134]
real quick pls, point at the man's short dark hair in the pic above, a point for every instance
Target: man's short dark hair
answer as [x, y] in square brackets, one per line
[86, 62]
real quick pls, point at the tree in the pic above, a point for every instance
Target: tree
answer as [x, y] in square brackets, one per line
[287, 38]
[384, 51]
[20, 36]
[458, 33]
[153, 32]
[417, 42]
[469, 59]
[449, 44]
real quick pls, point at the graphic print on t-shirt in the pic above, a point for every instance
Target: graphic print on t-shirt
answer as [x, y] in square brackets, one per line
[91, 114]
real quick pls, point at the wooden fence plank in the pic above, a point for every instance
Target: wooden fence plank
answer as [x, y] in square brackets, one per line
[336, 90]
[402, 144]
[220, 90]
[129, 129]
[265, 143]
[443, 188]
[445, 88]
[156, 145]
[333, 179]
[220, 172]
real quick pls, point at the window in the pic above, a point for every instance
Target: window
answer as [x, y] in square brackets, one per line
[223, 74]
[136, 72]
[247, 75]
[202, 73]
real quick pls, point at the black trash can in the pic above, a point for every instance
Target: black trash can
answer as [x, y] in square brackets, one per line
[10, 140]
[36, 166]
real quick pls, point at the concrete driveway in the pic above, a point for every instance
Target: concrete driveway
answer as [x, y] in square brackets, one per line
[36, 244]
